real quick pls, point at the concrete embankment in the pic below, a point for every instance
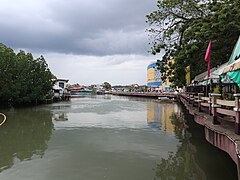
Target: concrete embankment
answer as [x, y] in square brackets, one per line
[222, 135]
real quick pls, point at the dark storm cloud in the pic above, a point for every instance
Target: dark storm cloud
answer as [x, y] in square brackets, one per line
[91, 27]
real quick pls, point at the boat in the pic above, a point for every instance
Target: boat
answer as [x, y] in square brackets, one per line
[80, 92]
[164, 100]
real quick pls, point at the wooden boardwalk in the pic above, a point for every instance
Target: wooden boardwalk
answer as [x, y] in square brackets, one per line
[220, 119]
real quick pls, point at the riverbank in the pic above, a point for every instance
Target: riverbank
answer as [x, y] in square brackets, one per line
[221, 136]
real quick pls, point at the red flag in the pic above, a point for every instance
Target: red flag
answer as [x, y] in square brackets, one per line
[207, 56]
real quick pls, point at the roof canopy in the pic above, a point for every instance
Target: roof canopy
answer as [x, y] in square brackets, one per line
[203, 79]
[203, 76]
[236, 53]
[233, 68]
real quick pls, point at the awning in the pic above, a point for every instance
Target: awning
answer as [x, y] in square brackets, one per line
[233, 69]
[203, 79]
[203, 76]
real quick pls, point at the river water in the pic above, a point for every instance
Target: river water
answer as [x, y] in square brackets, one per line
[108, 138]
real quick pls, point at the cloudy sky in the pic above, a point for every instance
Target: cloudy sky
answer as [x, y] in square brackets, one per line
[85, 41]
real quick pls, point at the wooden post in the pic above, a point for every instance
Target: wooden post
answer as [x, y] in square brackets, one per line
[188, 98]
[237, 117]
[191, 98]
[210, 104]
[210, 85]
[206, 90]
[215, 106]
[220, 85]
[235, 88]
[199, 101]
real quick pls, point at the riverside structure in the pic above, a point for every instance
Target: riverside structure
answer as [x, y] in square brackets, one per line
[220, 118]
[221, 121]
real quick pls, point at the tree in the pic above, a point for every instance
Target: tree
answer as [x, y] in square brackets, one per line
[23, 79]
[7, 69]
[182, 29]
[107, 85]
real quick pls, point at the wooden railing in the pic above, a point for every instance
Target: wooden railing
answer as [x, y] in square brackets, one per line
[217, 107]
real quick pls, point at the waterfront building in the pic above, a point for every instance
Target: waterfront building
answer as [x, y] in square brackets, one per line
[61, 83]
[60, 90]
[154, 81]
[98, 88]
[121, 88]
[223, 79]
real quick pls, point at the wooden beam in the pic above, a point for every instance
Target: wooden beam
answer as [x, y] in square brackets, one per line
[226, 112]
[205, 104]
[225, 103]
[205, 98]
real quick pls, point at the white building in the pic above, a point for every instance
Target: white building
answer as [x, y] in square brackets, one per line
[59, 88]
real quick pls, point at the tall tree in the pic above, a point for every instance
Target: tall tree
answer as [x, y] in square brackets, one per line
[183, 28]
[7, 70]
[23, 79]
[107, 85]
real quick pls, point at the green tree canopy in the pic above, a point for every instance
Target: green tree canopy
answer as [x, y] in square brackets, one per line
[23, 78]
[107, 85]
[182, 29]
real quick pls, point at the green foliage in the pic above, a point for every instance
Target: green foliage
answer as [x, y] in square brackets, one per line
[182, 29]
[107, 86]
[22, 78]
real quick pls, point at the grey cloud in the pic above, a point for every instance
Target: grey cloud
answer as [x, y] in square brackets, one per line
[116, 42]
[90, 27]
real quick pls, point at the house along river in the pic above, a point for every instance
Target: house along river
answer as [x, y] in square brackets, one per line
[108, 138]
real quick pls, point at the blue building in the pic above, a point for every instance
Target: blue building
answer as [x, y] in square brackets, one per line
[153, 76]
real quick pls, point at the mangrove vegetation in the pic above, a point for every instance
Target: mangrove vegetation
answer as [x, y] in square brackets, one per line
[24, 80]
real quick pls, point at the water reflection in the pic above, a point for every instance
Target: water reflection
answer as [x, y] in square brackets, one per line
[115, 138]
[180, 165]
[60, 116]
[159, 116]
[25, 135]
[195, 158]
[103, 111]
